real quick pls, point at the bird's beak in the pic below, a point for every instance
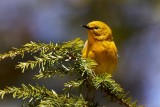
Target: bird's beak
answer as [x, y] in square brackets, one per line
[87, 27]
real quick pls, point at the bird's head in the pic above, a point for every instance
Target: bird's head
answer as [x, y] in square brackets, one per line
[99, 30]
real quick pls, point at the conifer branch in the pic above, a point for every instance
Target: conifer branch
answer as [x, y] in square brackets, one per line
[103, 82]
[42, 97]
[62, 59]
[34, 47]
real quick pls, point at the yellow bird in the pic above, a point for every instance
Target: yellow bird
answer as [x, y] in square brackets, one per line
[100, 47]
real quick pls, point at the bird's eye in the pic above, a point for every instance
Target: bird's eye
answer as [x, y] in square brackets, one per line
[96, 27]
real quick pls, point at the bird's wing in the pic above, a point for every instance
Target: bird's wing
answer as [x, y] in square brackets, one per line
[110, 47]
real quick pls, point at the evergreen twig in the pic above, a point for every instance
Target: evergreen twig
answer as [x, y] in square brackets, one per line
[62, 59]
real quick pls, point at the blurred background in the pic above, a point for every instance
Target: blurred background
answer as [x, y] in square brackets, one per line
[136, 30]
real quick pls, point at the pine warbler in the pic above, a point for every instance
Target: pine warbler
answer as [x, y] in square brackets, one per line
[100, 47]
